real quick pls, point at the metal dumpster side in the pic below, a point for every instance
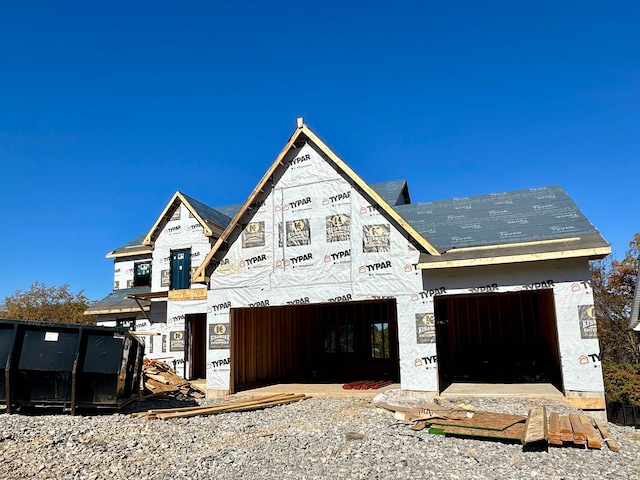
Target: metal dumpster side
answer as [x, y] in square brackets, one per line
[69, 366]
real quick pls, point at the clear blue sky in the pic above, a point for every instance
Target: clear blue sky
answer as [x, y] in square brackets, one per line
[107, 108]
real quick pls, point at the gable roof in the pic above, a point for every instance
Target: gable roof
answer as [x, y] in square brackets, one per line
[211, 220]
[300, 136]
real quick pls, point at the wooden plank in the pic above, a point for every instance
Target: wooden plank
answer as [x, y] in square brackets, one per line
[566, 432]
[232, 408]
[484, 420]
[579, 435]
[535, 429]
[555, 437]
[511, 433]
[593, 439]
[586, 403]
[607, 437]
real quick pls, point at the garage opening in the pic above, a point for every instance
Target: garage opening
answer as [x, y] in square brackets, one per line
[324, 343]
[498, 338]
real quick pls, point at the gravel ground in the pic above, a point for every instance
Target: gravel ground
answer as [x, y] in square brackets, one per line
[312, 439]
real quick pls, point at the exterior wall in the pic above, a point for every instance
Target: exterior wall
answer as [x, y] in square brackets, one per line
[311, 239]
[123, 273]
[182, 231]
[570, 281]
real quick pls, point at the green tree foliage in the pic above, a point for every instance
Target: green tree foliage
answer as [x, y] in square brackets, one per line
[47, 304]
[613, 283]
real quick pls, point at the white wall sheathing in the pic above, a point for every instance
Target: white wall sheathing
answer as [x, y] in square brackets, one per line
[123, 274]
[312, 238]
[569, 279]
[181, 231]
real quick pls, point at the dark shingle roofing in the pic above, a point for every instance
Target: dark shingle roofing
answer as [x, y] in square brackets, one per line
[501, 218]
[117, 302]
[394, 193]
[132, 247]
[230, 210]
[207, 213]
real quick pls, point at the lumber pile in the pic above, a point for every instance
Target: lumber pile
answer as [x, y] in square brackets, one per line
[226, 407]
[566, 430]
[162, 381]
[536, 428]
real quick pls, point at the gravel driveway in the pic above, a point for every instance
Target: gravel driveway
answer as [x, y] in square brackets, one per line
[312, 439]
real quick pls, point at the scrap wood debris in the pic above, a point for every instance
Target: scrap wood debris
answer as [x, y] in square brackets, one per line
[162, 381]
[234, 406]
[367, 385]
[536, 428]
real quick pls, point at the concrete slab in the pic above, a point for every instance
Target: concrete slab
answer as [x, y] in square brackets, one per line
[318, 390]
[504, 390]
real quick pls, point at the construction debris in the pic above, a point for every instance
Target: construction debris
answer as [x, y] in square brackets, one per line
[235, 406]
[462, 421]
[367, 385]
[162, 381]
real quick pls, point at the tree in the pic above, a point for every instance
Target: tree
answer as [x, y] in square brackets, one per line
[613, 284]
[47, 304]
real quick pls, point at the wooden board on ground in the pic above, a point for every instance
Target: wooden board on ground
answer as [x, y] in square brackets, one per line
[535, 428]
[608, 439]
[579, 435]
[566, 432]
[555, 437]
[512, 433]
[484, 420]
[593, 439]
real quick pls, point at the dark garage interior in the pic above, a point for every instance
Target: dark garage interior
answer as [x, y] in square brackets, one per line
[314, 343]
[498, 338]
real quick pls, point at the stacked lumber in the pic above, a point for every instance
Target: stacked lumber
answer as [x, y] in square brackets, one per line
[367, 385]
[234, 406]
[574, 429]
[461, 421]
[162, 381]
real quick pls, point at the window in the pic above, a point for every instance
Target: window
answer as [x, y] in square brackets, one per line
[338, 338]
[380, 340]
[142, 274]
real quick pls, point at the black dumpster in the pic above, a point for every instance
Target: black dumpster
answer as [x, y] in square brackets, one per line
[69, 366]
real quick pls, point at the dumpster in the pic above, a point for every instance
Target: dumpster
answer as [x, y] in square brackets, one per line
[69, 366]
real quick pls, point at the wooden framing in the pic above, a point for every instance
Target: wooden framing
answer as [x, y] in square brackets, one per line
[303, 132]
[593, 253]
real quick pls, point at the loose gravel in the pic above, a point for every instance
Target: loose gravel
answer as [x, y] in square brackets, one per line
[312, 439]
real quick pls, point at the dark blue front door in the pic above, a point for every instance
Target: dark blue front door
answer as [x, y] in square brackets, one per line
[180, 268]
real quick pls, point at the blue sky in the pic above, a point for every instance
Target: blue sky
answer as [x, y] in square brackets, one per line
[108, 108]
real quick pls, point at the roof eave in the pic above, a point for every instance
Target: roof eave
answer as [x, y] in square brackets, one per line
[590, 253]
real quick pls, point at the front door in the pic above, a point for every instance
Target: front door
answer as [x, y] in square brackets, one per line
[196, 345]
[180, 268]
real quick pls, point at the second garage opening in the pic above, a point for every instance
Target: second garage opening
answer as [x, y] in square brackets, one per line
[498, 338]
[318, 343]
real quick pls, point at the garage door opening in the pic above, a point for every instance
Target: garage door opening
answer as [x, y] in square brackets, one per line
[325, 343]
[498, 338]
